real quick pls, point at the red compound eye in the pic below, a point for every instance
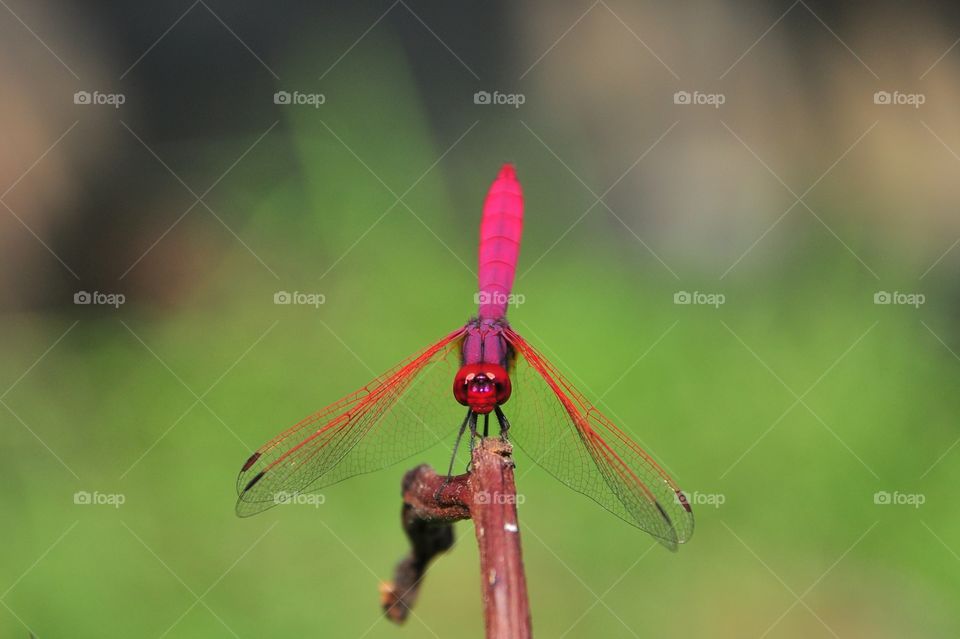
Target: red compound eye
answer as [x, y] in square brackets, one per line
[482, 387]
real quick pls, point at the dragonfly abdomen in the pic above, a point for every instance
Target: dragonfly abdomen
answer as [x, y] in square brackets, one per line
[500, 232]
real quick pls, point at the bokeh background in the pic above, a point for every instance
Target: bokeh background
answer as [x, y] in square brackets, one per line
[815, 429]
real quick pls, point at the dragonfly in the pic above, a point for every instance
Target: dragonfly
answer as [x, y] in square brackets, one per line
[493, 370]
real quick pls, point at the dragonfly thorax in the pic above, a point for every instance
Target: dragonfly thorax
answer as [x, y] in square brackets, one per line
[482, 387]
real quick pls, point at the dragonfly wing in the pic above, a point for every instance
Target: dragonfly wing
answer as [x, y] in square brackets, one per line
[567, 436]
[400, 413]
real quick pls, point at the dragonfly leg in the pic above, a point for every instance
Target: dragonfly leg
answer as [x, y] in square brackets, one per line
[453, 457]
[504, 424]
[473, 436]
[486, 424]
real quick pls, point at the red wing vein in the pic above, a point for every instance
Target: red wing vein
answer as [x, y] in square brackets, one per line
[601, 462]
[398, 414]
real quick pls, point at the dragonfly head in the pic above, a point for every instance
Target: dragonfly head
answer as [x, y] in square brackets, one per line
[482, 387]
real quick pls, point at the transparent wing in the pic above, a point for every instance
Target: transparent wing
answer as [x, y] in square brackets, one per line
[567, 436]
[403, 412]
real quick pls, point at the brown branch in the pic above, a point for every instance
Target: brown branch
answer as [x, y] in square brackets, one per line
[488, 496]
[429, 526]
[494, 511]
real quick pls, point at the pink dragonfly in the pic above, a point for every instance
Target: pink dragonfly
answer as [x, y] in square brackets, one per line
[409, 409]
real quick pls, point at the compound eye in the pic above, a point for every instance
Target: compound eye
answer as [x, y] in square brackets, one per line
[463, 381]
[502, 381]
[482, 387]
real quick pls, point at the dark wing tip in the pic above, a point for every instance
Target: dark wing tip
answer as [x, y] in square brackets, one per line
[683, 500]
[253, 481]
[686, 533]
[250, 462]
[245, 508]
[672, 541]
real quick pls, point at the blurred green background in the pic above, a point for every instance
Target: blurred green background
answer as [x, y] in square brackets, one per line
[790, 413]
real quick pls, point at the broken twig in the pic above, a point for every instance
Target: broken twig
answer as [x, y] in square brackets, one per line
[487, 494]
